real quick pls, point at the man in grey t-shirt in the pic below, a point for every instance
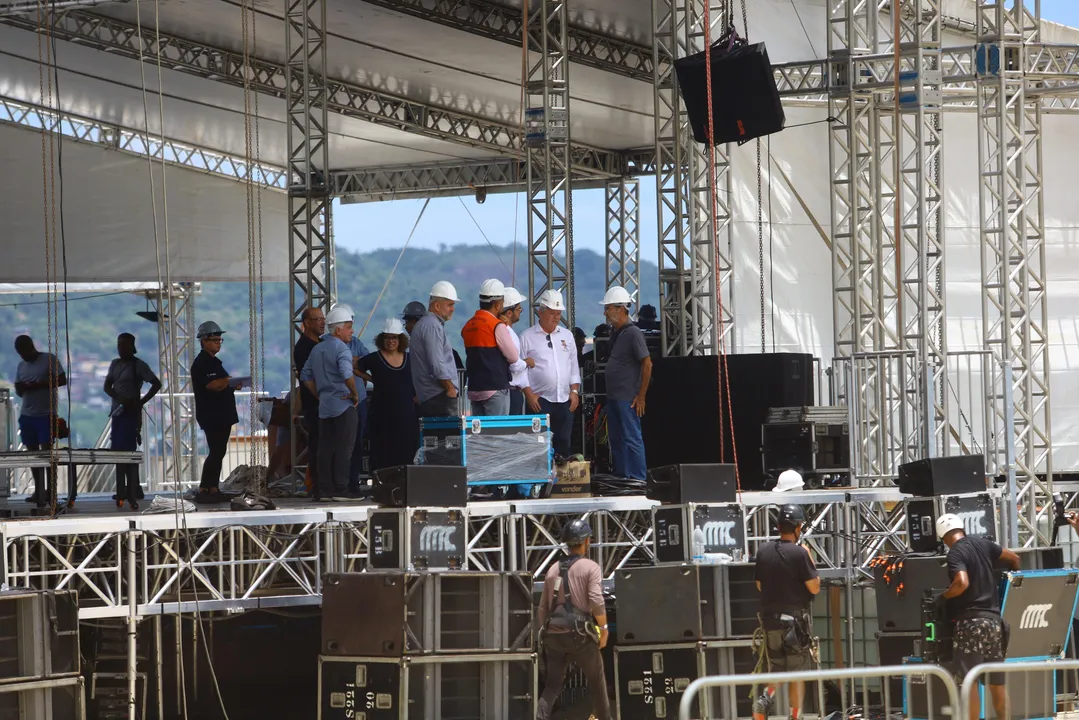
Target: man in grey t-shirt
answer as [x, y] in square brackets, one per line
[628, 373]
[36, 380]
[123, 383]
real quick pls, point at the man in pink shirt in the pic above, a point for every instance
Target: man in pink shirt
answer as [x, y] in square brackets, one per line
[491, 355]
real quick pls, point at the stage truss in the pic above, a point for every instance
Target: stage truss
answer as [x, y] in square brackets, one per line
[235, 561]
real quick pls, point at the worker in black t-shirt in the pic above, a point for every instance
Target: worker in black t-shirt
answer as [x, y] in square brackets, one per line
[215, 407]
[981, 635]
[787, 580]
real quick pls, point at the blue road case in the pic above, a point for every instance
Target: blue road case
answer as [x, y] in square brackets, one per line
[495, 450]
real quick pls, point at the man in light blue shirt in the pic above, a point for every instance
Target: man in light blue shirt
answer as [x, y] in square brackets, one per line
[357, 349]
[36, 380]
[328, 375]
[434, 374]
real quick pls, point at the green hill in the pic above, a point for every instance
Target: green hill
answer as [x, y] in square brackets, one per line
[93, 322]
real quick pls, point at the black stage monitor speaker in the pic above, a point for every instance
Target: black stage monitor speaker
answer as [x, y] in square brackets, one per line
[682, 425]
[954, 475]
[900, 584]
[745, 98]
[421, 486]
[700, 483]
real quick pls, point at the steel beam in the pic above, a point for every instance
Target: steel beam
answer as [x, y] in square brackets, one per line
[547, 122]
[372, 104]
[1012, 230]
[176, 341]
[504, 24]
[622, 201]
[310, 241]
[887, 249]
[138, 144]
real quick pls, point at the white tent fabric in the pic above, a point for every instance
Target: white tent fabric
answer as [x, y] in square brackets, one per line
[109, 218]
[801, 262]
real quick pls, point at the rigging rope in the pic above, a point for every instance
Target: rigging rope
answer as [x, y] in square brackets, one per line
[400, 255]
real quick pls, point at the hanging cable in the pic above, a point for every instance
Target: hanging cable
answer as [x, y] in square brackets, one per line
[489, 243]
[771, 248]
[394, 268]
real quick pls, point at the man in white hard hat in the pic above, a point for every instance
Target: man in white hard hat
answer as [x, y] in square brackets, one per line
[490, 353]
[628, 373]
[329, 376]
[972, 600]
[434, 373]
[512, 306]
[215, 407]
[554, 380]
[358, 350]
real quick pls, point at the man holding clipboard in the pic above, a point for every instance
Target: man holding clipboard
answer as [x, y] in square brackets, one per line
[215, 407]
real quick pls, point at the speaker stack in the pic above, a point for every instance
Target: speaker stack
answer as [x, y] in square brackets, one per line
[39, 656]
[756, 383]
[431, 645]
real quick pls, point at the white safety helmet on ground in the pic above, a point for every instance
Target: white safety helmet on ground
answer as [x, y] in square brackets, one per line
[789, 480]
[947, 523]
[393, 326]
[444, 290]
[339, 314]
[551, 299]
[492, 289]
[511, 297]
[617, 296]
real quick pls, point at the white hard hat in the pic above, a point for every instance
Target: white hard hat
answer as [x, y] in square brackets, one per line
[617, 296]
[339, 314]
[789, 480]
[393, 326]
[551, 299]
[444, 290]
[492, 289]
[511, 297]
[946, 523]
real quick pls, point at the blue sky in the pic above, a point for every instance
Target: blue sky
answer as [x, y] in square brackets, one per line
[502, 218]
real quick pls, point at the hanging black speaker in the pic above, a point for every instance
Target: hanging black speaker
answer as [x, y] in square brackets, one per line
[745, 98]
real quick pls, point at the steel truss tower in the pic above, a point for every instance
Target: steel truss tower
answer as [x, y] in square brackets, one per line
[1012, 231]
[693, 250]
[175, 308]
[887, 224]
[310, 243]
[549, 158]
[622, 203]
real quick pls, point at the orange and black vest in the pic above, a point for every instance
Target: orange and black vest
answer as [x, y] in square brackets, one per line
[485, 366]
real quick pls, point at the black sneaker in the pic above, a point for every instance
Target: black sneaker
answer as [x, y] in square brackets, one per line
[762, 706]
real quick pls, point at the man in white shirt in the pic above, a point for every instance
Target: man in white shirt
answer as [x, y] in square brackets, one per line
[554, 380]
[511, 313]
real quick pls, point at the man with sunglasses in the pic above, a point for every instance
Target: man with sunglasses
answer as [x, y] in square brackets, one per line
[554, 378]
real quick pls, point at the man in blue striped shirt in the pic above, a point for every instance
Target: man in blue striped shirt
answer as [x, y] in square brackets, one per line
[328, 375]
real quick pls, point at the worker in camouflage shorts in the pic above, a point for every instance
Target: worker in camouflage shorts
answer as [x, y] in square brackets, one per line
[981, 635]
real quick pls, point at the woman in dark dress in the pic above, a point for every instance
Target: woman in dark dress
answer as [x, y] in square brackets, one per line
[395, 429]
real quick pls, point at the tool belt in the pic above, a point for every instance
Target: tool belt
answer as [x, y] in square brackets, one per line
[797, 629]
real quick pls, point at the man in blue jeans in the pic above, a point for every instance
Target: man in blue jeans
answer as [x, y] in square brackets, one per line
[628, 373]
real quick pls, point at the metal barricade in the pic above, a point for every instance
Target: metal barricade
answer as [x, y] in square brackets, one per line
[935, 680]
[1030, 687]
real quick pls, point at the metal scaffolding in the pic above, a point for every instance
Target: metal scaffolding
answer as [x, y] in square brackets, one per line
[175, 308]
[310, 244]
[688, 257]
[549, 157]
[622, 203]
[887, 223]
[1012, 232]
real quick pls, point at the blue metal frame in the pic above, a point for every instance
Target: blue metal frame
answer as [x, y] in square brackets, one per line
[1058, 572]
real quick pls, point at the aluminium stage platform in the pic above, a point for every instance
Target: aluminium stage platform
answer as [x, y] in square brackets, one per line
[132, 563]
